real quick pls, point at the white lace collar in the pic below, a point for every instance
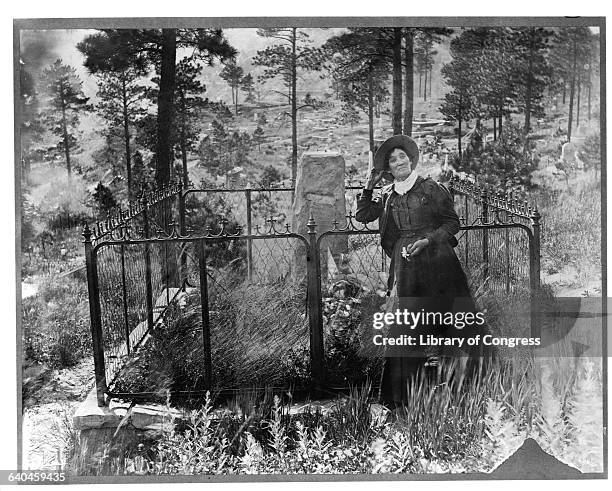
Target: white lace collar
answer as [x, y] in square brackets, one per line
[402, 187]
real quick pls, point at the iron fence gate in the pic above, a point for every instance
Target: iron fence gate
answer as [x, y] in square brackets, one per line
[143, 262]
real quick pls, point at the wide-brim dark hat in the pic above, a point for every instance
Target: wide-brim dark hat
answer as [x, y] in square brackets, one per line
[407, 144]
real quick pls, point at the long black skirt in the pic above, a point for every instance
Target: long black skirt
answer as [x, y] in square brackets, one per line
[431, 282]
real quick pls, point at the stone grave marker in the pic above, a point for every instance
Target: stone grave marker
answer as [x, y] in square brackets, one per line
[319, 189]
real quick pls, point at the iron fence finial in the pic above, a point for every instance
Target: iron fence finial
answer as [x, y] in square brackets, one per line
[312, 225]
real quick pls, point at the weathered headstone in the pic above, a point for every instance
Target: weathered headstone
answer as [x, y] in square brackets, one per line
[568, 153]
[319, 190]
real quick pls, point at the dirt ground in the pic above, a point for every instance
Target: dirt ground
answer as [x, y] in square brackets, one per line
[51, 397]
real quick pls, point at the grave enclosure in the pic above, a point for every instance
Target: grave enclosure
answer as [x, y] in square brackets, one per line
[295, 248]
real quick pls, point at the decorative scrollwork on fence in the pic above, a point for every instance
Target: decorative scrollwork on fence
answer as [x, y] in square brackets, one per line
[493, 201]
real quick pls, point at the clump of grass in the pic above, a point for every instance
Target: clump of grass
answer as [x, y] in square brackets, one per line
[551, 425]
[585, 418]
[572, 229]
[259, 337]
[56, 323]
[446, 419]
[502, 431]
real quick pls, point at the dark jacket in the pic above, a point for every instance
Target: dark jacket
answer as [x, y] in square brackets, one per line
[432, 214]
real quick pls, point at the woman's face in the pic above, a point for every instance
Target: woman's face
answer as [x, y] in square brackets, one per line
[399, 164]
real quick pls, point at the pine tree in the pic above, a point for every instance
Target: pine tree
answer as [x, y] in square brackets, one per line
[531, 45]
[496, 73]
[460, 103]
[360, 87]
[65, 100]
[120, 104]
[419, 42]
[387, 49]
[233, 75]
[189, 105]
[426, 53]
[291, 56]
[359, 64]
[143, 175]
[221, 151]
[145, 48]
[571, 45]
[248, 85]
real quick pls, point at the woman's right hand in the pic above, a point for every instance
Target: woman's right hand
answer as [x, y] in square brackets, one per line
[373, 176]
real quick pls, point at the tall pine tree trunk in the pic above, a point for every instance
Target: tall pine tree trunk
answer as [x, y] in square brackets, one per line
[371, 112]
[184, 144]
[572, 88]
[589, 96]
[65, 131]
[420, 82]
[165, 104]
[494, 128]
[459, 135]
[409, 82]
[578, 104]
[397, 81]
[425, 84]
[528, 83]
[430, 71]
[564, 91]
[294, 105]
[126, 136]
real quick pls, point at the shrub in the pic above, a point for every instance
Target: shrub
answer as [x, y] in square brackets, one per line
[204, 215]
[55, 323]
[61, 201]
[506, 163]
[270, 175]
[591, 151]
[104, 199]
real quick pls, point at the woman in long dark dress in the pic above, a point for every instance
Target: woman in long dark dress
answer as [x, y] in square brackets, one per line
[417, 223]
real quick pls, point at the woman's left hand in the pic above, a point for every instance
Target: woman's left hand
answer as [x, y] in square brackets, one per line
[416, 247]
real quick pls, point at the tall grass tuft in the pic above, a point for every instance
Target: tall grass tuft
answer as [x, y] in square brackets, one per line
[585, 450]
[550, 425]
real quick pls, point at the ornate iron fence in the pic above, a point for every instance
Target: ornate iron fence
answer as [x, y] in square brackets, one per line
[141, 260]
